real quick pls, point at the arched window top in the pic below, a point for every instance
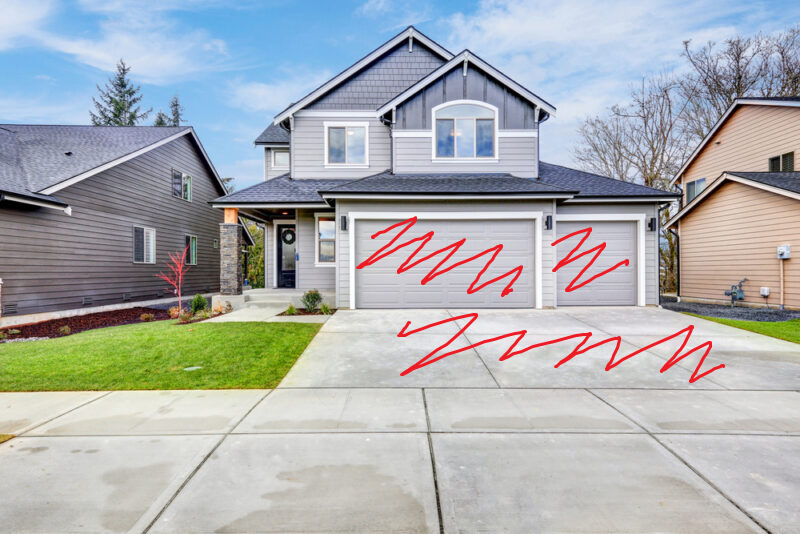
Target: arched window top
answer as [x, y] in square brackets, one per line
[465, 130]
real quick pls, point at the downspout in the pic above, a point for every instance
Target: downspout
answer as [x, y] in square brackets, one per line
[658, 248]
[1, 297]
[389, 124]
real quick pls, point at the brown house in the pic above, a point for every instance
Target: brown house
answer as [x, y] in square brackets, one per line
[741, 201]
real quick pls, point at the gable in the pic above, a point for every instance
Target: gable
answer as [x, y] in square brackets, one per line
[381, 80]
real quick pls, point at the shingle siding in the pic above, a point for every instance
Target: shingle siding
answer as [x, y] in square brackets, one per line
[51, 260]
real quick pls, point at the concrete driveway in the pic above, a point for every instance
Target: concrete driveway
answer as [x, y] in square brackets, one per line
[467, 444]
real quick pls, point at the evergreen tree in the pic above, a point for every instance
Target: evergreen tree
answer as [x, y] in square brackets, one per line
[228, 183]
[162, 119]
[177, 111]
[118, 102]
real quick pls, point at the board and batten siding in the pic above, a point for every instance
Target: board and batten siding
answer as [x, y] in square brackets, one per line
[751, 135]
[308, 149]
[51, 261]
[734, 233]
[651, 271]
[344, 207]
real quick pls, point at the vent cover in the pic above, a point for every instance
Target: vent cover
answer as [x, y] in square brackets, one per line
[87, 301]
[126, 296]
[9, 309]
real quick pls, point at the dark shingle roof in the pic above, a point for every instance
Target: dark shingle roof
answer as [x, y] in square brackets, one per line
[789, 181]
[281, 189]
[594, 185]
[447, 183]
[273, 135]
[34, 157]
[773, 98]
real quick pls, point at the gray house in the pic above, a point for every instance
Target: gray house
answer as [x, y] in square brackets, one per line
[88, 215]
[412, 129]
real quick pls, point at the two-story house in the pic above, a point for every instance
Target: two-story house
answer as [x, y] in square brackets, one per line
[741, 202]
[89, 214]
[413, 130]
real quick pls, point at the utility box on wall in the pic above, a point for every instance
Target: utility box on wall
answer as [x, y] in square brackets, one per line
[784, 252]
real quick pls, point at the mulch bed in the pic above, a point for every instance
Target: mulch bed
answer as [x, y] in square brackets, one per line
[302, 311]
[726, 312]
[80, 323]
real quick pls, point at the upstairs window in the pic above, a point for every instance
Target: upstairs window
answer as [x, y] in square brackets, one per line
[694, 188]
[783, 163]
[181, 185]
[465, 130]
[346, 144]
[144, 245]
[280, 159]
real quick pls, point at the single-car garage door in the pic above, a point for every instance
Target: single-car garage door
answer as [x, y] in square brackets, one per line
[617, 288]
[379, 286]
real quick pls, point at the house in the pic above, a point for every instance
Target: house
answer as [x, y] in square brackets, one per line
[412, 129]
[89, 214]
[741, 201]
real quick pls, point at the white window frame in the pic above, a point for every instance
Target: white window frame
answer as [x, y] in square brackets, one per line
[274, 163]
[317, 262]
[694, 184]
[189, 255]
[327, 125]
[455, 159]
[144, 245]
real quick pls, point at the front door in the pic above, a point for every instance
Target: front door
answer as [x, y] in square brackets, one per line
[287, 238]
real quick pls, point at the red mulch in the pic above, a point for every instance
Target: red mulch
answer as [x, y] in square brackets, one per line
[303, 311]
[79, 323]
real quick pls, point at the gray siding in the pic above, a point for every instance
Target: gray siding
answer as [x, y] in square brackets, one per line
[309, 276]
[50, 261]
[516, 155]
[308, 149]
[382, 80]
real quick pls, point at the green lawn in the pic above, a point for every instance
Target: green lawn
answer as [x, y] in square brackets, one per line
[154, 355]
[788, 330]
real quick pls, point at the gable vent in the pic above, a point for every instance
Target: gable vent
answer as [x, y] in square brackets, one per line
[9, 309]
[87, 301]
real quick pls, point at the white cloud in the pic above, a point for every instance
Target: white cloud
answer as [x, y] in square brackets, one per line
[20, 19]
[374, 7]
[28, 109]
[275, 96]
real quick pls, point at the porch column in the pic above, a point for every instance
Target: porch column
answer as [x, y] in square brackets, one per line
[230, 245]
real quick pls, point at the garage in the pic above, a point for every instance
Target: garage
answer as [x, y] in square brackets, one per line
[380, 286]
[617, 288]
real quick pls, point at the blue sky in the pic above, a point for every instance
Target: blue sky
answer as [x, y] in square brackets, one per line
[234, 64]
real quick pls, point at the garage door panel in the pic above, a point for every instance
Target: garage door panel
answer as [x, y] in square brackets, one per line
[617, 288]
[380, 286]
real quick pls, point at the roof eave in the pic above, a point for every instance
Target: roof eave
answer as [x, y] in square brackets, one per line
[34, 200]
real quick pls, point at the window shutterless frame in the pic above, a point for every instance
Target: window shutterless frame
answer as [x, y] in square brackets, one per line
[275, 153]
[191, 254]
[144, 245]
[347, 128]
[454, 122]
[181, 185]
[328, 217]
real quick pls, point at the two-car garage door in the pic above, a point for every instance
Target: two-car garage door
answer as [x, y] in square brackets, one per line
[380, 286]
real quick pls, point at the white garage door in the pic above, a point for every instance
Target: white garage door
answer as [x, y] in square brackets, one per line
[379, 286]
[617, 288]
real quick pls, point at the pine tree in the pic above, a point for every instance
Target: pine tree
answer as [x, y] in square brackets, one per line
[177, 111]
[162, 119]
[118, 102]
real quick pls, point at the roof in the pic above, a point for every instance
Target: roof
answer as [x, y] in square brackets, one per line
[282, 190]
[785, 101]
[447, 184]
[591, 185]
[782, 183]
[273, 135]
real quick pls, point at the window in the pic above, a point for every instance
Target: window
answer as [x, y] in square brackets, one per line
[465, 130]
[346, 144]
[782, 163]
[280, 159]
[191, 255]
[695, 188]
[181, 185]
[144, 245]
[326, 239]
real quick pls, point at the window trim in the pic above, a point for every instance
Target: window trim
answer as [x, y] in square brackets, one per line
[455, 159]
[196, 244]
[144, 245]
[274, 164]
[694, 190]
[184, 176]
[326, 125]
[317, 262]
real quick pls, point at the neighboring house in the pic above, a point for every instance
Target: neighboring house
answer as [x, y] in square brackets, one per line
[89, 214]
[414, 130]
[741, 201]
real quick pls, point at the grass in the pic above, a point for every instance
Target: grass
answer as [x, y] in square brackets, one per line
[5, 437]
[153, 356]
[787, 330]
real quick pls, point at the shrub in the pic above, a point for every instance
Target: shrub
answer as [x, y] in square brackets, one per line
[325, 309]
[3, 335]
[311, 300]
[147, 317]
[13, 332]
[291, 310]
[218, 309]
[203, 314]
[174, 312]
[228, 306]
[199, 302]
[185, 317]
[64, 330]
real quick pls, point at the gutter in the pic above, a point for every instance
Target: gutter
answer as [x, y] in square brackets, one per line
[33, 201]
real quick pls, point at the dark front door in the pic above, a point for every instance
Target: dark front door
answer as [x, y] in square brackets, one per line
[287, 238]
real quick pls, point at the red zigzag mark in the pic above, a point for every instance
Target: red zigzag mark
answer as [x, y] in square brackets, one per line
[578, 350]
[569, 258]
[453, 248]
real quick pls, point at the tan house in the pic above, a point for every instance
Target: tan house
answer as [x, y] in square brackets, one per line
[741, 201]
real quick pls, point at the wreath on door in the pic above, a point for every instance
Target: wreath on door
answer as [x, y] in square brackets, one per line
[288, 236]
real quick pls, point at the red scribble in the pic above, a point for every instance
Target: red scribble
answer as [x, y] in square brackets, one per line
[569, 259]
[453, 248]
[432, 357]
